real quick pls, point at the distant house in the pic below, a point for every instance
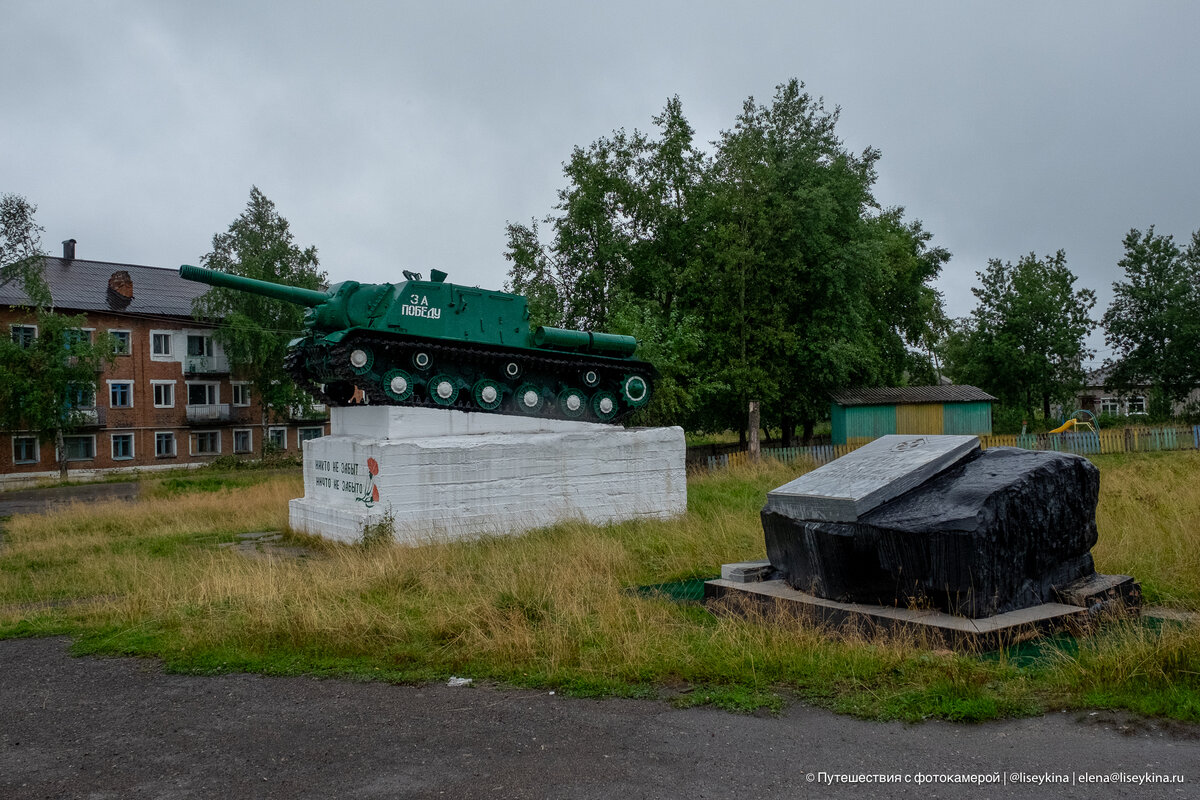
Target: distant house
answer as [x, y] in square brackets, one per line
[168, 400]
[861, 415]
[1099, 397]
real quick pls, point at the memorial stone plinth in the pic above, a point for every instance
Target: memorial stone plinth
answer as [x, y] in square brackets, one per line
[445, 474]
[934, 521]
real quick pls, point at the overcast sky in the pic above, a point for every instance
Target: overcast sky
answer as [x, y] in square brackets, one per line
[406, 135]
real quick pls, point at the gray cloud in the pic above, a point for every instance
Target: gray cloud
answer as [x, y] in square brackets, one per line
[405, 135]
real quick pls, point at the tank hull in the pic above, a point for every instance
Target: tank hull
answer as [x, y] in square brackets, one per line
[397, 369]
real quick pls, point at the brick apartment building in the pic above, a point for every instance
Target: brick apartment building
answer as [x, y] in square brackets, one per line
[168, 400]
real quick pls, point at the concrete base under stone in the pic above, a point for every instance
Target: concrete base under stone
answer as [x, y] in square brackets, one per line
[1098, 592]
[438, 474]
[958, 632]
[749, 582]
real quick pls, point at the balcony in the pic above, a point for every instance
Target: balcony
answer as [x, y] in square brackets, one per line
[90, 417]
[206, 365]
[218, 412]
[317, 411]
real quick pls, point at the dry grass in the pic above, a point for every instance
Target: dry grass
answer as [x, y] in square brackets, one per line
[1149, 522]
[554, 608]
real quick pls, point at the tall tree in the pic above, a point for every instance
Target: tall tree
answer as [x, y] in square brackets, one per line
[49, 384]
[808, 276]
[1025, 341]
[255, 330]
[1153, 323]
[621, 245]
[764, 271]
[908, 310]
[21, 249]
[585, 266]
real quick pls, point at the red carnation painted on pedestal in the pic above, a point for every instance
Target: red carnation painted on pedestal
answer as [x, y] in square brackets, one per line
[372, 467]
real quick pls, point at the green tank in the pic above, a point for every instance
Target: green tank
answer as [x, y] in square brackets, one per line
[440, 345]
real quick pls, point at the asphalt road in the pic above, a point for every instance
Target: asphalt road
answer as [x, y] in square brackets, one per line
[37, 501]
[121, 728]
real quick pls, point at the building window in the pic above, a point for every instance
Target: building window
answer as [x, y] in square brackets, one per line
[160, 344]
[278, 438]
[73, 336]
[208, 443]
[1137, 404]
[80, 448]
[23, 335]
[164, 394]
[243, 440]
[1110, 405]
[25, 450]
[241, 394]
[120, 394]
[199, 345]
[81, 397]
[164, 445]
[122, 343]
[304, 434]
[122, 446]
[202, 394]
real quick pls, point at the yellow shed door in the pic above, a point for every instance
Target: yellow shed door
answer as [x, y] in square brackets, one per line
[922, 418]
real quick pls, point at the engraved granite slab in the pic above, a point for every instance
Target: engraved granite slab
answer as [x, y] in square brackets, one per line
[845, 489]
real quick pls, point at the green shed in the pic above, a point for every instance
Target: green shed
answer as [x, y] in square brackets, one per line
[861, 415]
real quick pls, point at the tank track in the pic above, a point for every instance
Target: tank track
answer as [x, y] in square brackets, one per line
[554, 377]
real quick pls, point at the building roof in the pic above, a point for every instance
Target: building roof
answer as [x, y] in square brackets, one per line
[911, 395]
[81, 285]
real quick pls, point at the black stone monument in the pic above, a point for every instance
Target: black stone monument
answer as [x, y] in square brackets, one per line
[981, 533]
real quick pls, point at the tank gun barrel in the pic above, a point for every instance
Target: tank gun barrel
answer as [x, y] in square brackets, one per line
[279, 291]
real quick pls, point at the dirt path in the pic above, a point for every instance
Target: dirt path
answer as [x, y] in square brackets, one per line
[121, 728]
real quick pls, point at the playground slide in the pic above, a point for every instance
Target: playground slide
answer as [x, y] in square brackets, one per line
[1072, 422]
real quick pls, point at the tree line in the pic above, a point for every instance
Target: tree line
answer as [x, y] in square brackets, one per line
[1024, 341]
[764, 269]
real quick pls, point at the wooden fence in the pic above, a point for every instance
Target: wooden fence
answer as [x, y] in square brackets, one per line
[1127, 440]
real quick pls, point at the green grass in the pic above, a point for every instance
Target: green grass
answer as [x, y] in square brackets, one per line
[200, 482]
[579, 609]
[233, 469]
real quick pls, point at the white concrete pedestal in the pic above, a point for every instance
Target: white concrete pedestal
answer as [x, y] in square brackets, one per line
[442, 474]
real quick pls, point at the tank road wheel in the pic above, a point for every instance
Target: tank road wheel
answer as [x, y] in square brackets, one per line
[443, 389]
[340, 392]
[488, 394]
[512, 370]
[635, 390]
[591, 378]
[528, 399]
[398, 385]
[573, 403]
[604, 405]
[361, 360]
[421, 360]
